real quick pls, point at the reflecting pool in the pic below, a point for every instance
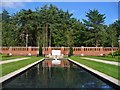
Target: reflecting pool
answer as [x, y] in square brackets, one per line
[65, 75]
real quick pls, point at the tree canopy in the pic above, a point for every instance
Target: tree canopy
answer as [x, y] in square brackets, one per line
[51, 26]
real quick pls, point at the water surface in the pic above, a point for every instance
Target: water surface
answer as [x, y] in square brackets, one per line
[67, 75]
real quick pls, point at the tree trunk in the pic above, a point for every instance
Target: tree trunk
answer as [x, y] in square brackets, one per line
[96, 43]
[26, 40]
[46, 29]
[96, 40]
[50, 39]
[44, 36]
[38, 41]
[112, 44]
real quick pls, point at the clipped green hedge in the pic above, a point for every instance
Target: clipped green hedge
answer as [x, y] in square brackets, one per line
[40, 51]
[71, 52]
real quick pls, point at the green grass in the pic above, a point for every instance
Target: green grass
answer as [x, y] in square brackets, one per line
[108, 69]
[108, 58]
[10, 67]
[5, 57]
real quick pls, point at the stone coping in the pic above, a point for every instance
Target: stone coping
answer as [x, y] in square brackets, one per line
[12, 74]
[109, 78]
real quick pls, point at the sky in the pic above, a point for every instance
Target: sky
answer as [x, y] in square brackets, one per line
[79, 9]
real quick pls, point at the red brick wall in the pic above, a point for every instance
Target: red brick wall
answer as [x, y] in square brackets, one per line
[79, 51]
[20, 50]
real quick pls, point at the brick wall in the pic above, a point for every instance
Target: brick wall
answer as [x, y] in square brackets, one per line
[77, 51]
[93, 51]
[81, 51]
[24, 51]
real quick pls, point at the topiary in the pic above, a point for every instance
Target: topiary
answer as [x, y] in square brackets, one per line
[40, 51]
[70, 52]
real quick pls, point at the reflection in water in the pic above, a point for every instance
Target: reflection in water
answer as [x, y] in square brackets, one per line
[65, 75]
[48, 63]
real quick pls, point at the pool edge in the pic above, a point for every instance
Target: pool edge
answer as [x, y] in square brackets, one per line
[106, 77]
[12, 74]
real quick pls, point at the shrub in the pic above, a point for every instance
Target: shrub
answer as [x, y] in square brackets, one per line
[40, 51]
[70, 52]
[117, 53]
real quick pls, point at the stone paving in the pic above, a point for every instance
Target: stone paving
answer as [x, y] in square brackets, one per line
[103, 61]
[13, 60]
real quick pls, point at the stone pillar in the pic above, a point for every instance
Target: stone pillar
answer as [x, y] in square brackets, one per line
[29, 51]
[82, 51]
[38, 51]
[50, 51]
[10, 51]
[62, 51]
[101, 51]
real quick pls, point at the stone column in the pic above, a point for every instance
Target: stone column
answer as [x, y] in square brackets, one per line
[82, 51]
[50, 51]
[29, 51]
[62, 51]
[10, 51]
[38, 51]
[101, 51]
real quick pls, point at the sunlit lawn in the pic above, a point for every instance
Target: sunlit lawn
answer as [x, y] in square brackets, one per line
[10, 67]
[108, 69]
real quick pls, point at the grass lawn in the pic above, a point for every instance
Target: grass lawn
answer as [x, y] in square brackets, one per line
[10, 67]
[108, 69]
[5, 57]
[108, 58]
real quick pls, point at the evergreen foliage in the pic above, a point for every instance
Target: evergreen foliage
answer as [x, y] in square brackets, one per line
[51, 26]
[71, 51]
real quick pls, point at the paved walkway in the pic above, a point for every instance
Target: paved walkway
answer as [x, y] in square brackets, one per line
[13, 60]
[103, 61]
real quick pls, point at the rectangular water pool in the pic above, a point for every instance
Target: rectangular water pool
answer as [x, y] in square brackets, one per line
[47, 75]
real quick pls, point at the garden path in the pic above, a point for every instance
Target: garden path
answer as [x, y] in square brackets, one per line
[13, 60]
[103, 61]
